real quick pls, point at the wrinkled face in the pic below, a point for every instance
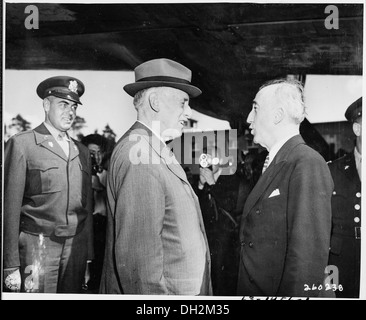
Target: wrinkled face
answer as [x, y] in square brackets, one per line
[174, 111]
[60, 113]
[261, 117]
[96, 152]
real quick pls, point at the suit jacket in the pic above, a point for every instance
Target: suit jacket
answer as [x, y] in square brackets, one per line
[286, 223]
[156, 242]
[345, 252]
[44, 192]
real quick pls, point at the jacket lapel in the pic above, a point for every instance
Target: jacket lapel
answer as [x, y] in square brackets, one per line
[162, 150]
[271, 172]
[349, 168]
[74, 150]
[44, 137]
[173, 165]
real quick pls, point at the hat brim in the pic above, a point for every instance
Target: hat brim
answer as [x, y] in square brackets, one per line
[354, 111]
[133, 88]
[64, 96]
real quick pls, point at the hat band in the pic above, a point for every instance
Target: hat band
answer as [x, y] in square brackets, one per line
[60, 90]
[62, 93]
[165, 79]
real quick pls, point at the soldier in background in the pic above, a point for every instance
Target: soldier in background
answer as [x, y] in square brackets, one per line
[345, 252]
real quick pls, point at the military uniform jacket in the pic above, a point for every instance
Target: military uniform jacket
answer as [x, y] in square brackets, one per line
[44, 192]
[345, 250]
[286, 224]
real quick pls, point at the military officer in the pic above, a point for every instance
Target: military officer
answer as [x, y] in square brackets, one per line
[345, 251]
[48, 198]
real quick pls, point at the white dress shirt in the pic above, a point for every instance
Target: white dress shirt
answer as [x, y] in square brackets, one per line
[157, 134]
[61, 137]
[277, 146]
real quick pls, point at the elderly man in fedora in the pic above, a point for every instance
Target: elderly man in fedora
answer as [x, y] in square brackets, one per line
[156, 242]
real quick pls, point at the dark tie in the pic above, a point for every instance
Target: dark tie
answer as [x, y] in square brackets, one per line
[265, 165]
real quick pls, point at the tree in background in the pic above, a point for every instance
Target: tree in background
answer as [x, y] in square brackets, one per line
[18, 124]
[109, 133]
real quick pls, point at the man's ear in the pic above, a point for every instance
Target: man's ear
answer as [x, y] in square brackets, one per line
[154, 101]
[356, 129]
[279, 115]
[46, 105]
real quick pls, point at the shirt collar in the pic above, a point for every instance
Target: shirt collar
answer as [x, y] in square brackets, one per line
[55, 133]
[278, 145]
[358, 155]
[155, 133]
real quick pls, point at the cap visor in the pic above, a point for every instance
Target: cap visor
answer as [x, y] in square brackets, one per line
[66, 97]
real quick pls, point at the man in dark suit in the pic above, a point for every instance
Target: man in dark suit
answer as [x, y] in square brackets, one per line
[345, 249]
[48, 198]
[156, 242]
[286, 222]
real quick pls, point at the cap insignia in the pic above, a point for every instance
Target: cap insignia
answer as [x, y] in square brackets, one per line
[73, 86]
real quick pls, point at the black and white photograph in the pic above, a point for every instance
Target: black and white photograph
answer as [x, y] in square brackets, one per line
[197, 150]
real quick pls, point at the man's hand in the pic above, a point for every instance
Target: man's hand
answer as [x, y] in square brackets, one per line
[12, 280]
[96, 185]
[86, 276]
[207, 176]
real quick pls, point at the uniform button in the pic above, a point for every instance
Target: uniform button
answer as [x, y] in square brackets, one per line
[334, 193]
[242, 243]
[357, 207]
[357, 219]
[258, 211]
[250, 244]
[358, 194]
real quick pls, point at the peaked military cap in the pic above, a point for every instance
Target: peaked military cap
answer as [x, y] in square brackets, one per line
[63, 87]
[354, 110]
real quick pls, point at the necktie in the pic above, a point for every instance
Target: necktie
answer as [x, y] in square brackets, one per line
[265, 165]
[64, 144]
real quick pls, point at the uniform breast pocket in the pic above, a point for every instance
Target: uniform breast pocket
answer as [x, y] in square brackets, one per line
[43, 177]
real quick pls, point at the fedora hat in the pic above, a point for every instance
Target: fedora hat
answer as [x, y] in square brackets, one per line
[162, 73]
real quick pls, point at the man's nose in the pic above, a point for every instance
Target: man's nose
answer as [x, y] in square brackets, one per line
[250, 118]
[187, 111]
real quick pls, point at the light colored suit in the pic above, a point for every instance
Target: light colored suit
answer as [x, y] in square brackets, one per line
[156, 242]
[285, 227]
